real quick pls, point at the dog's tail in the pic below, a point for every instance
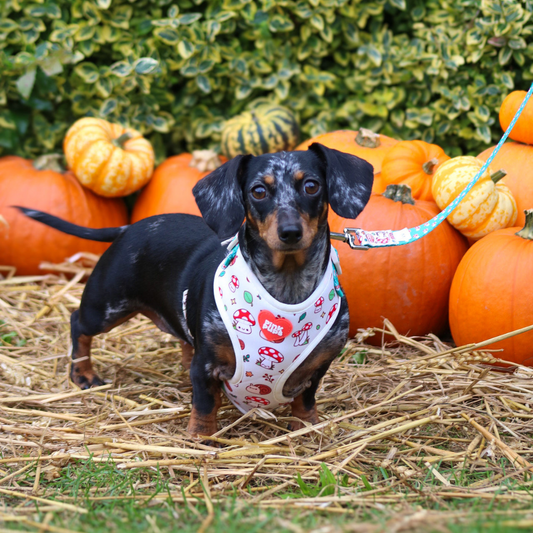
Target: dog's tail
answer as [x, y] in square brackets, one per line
[101, 235]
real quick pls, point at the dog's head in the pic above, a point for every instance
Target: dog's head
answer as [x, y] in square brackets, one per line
[284, 196]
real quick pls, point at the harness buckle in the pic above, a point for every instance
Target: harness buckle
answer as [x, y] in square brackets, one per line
[349, 237]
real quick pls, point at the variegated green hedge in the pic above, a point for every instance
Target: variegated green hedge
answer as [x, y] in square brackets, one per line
[430, 69]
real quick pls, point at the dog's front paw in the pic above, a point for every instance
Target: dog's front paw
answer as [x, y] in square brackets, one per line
[85, 379]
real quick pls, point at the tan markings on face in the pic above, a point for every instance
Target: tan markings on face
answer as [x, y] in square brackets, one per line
[310, 228]
[268, 230]
[299, 174]
[269, 180]
[324, 213]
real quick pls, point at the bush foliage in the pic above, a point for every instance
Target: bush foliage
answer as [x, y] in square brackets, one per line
[177, 69]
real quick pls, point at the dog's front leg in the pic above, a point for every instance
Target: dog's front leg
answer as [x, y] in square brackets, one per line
[303, 406]
[206, 397]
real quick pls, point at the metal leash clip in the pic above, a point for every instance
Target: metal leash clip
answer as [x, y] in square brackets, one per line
[349, 236]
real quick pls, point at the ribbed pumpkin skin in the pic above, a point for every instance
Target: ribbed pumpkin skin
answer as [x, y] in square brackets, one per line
[26, 243]
[266, 129]
[404, 163]
[523, 129]
[517, 160]
[407, 284]
[491, 294]
[106, 169]
[486, 208]
[346, 141]
[170, 189]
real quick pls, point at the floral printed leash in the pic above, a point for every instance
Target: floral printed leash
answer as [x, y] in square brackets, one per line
[377, 239]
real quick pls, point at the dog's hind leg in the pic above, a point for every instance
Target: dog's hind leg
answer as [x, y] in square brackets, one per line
[187, 351]
[85, 323]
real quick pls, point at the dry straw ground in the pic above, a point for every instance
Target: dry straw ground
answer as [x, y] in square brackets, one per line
[418, 423]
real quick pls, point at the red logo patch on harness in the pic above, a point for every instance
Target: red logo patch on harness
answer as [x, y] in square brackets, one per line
[273, 328]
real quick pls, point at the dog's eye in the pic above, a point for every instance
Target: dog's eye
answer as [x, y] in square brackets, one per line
[259, 192]
[311, 187]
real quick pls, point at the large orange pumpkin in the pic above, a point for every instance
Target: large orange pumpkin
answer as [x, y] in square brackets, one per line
[170, 189]
[517, 160]
[366, 144]
[522, 131]
[25, 243]
[413, 163]
[407, 284]
[107, 158]
[491, 293]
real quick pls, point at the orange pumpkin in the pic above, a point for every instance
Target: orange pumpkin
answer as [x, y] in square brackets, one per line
[25, 243]
[107, 158]
[413, 163]
[170, 189]
[522, 131]
[491, 293]
[407, 284]
[366, 144]
[517, 160]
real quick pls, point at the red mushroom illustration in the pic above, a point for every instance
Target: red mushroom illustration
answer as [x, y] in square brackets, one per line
[332, 311]
[318, 304]
[256, 401]
[259, 389]
[268, 356]
[302, 336]
[243, 321]
[241, 344]
[233, 284]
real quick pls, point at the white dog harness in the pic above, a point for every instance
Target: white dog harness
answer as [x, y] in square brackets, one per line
[270, 339]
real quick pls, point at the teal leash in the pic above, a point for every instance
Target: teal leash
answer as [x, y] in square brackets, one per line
[386, 238]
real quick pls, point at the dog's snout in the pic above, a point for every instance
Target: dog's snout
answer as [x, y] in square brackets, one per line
[290, 234]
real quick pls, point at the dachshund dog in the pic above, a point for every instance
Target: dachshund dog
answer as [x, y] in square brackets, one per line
[283, 200]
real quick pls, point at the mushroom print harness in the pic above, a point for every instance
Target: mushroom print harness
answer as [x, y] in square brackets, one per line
[270, 339]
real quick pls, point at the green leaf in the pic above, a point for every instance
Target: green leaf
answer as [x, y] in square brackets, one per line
[145, 65]
[103, 4]
[280, 23]
[108, 106]
[374, 54]
[504, 55]
[213, 28]
[26, 82]
[189, 18]
[185, 49]
[7, 25]
[84, 33]
[204, 84]
[87, 71]
[121, 69]
[121, 17]
[243, 91]
[51, 66]
[206, 66]
[104, 86]
[317, 21]
[484, 133]
[167, 35]
[400, 4]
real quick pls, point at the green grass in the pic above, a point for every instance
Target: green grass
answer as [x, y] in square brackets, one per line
[131, 506]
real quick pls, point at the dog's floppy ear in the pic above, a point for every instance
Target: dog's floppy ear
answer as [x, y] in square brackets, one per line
[219, 197]
[349, 180]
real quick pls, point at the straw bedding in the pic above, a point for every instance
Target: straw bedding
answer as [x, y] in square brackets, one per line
[401, 428]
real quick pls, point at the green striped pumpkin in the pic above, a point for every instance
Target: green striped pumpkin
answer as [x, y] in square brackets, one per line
[268, 128]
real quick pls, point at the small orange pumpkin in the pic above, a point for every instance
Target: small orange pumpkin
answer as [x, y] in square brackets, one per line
[517, 160]
[413, 163]
[25, 243]
[491, 293]
[366, 144]
[522, 131]
[170, 189]
[407, 284]
[107, 158]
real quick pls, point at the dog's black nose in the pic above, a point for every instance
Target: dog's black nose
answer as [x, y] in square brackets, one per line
[290, 234]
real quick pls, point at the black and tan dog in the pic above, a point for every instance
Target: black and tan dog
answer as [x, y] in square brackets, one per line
[283, 199]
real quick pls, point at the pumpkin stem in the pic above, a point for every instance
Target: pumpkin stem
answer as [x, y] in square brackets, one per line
[429, 166]
[121, 141]
[527, 231]
[367, 138]
[399, 193]
[53, 162]
[498, 175]
[205, 160]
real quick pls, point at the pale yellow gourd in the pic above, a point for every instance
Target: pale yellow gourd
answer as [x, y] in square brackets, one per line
[488, 206]
[107, 158]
